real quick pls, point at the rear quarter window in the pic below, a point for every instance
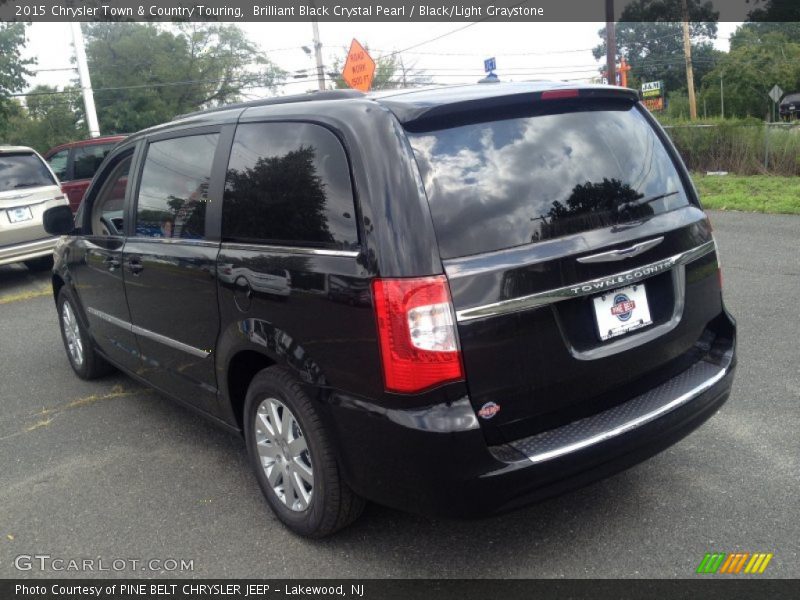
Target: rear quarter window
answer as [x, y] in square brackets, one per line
[499, 184]
[288, 184]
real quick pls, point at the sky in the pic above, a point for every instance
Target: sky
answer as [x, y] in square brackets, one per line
[523, 51]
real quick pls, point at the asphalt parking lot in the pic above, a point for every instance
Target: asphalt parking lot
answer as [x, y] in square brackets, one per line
[108, 469]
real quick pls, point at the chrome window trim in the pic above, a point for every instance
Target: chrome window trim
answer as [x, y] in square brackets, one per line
[188, 241]
[584, 288]
[135, 329]
[289, 249]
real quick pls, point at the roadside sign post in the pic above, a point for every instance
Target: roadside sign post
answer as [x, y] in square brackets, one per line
[653, 95]
[489, 67]
[359, 69]
[775, 94]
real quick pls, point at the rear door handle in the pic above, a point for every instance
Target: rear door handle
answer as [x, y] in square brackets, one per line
[135, 265]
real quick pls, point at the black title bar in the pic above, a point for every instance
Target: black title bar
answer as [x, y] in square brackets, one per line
[395, 589]
[369, 10]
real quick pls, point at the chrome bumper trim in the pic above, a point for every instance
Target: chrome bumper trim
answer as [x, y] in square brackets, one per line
[585, 288]
[27, 250]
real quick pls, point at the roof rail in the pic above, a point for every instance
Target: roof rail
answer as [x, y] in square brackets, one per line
[307, 97]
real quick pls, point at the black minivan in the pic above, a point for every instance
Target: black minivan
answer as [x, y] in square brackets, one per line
[453, 301]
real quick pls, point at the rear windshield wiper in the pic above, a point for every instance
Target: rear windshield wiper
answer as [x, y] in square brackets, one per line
[649, 200]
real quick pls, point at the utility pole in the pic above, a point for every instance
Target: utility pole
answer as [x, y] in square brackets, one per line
[721, 97]
[86, 82]
[611, 44]
[687, 53]
[318, 54]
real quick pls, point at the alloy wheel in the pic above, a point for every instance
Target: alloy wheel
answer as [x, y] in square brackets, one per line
[284, 454]
[72, 334]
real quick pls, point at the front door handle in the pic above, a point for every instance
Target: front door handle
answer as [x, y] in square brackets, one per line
[135, 265]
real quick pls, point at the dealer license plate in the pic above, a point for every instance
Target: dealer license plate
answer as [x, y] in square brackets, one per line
[621, 311]
[15, 215]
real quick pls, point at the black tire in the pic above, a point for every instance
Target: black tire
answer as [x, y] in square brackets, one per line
[43, 263]
[93, 365]
[333, 505]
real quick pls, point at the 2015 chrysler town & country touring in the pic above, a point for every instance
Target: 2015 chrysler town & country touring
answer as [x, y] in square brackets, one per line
[453, 300]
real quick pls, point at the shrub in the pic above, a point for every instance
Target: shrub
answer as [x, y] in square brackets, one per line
[742, 147]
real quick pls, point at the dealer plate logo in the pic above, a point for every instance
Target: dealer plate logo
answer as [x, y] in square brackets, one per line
[622, 307]
[489, 410]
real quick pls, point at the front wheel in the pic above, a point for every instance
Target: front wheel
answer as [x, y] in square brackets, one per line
[293, 459]
[80, 347]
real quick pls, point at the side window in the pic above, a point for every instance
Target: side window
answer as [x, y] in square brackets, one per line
[58, 162]
[87, 159]
[288, 183]
[108, 206]
[174, 189]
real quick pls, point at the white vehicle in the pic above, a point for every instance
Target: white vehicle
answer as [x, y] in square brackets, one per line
[28, 187]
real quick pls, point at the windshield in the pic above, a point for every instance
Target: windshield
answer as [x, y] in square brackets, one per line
[499, 184]
[23, 170]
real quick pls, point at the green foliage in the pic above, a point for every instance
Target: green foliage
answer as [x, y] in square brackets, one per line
[773, 12]
[738, 147]
[761, 56]
[650, 37]
[13, 69]
[145, 74]
[50, 118]
[755, 193]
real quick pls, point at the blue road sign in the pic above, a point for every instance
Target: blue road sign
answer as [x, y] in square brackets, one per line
[489, 65]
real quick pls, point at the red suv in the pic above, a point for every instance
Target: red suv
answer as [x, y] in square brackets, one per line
[76, 162]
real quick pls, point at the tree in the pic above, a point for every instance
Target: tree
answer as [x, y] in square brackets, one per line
[761, 56]
[391, 72]
[144, 74]
[13, 68]
[50, 117]
[650, 37]
[776, 12]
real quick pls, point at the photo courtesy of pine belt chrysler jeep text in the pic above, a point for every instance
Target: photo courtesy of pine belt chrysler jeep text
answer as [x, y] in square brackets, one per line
[454, 301]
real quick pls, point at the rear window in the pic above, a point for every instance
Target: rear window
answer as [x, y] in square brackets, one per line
[23, 170]
[500, 184]
[87, 159]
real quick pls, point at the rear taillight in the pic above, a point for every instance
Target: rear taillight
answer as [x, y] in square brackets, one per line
[417, 333]
[716, 251]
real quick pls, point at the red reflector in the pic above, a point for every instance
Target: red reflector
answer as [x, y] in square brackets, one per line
[558, 94]
[417, 333]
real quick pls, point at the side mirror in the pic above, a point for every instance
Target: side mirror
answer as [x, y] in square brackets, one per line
[58, 220]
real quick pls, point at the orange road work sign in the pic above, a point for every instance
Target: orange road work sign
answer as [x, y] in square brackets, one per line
[359, 69]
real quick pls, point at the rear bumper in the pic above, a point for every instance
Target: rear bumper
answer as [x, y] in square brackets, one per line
[27, 250]
[437, 461]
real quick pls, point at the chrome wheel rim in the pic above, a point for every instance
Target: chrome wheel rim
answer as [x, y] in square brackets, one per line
[284, 454]
[72, 334]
